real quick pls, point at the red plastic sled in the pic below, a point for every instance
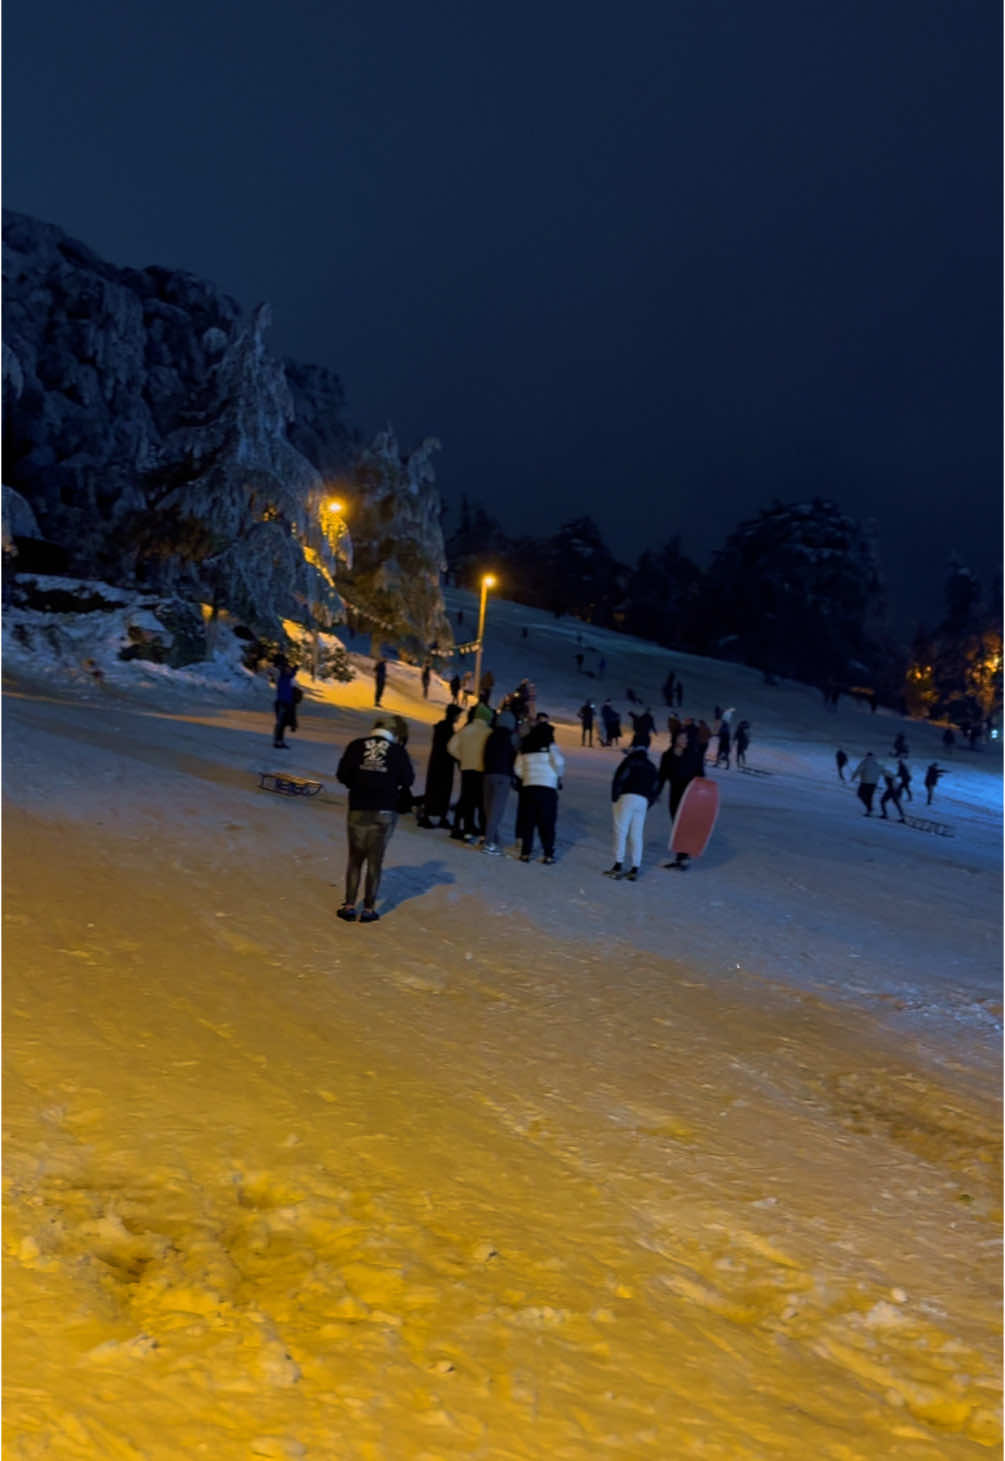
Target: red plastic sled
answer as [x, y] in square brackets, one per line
[692, 826]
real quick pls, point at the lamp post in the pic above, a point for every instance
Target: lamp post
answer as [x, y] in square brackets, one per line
[488, 582]
[326, 507]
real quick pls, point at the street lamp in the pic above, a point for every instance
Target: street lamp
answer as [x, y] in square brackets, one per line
[333, 508]
[488, 581]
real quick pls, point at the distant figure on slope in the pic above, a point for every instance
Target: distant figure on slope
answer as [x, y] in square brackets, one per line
[425, 678]
[644, 725]
[932, 779]
[678, 768]
[742, 742]
[841, 757]
[668, 685]
[634, 788]
[539, 768]
[900, 746]
[632, 698]
[891, 793]
[608, 720]
[379, 680]
[867, 773]
[949, 739]
[586, 714]
[287, 694]
[467, 746]
[904, 779]
[722, 744]
[704, 737]
[499, 758]
[376, 769]
[440, 772]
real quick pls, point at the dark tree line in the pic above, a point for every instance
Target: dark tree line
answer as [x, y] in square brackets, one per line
[796, 591]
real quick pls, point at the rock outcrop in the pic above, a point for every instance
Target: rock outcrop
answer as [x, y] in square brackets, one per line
[158, 443]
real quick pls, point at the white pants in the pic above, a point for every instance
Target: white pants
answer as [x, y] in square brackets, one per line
[629, 825]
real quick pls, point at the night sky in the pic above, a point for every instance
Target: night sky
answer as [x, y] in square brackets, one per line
[659, 262]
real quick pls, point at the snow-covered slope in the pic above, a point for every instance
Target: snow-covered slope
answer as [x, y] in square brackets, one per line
[539, 1164]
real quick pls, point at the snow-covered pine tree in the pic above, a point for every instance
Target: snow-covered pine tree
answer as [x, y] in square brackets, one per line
[798, 591]
[393, 590]
[236, 512]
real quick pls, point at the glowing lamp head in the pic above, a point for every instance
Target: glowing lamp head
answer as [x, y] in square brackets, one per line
[334, 506]
[489, 580]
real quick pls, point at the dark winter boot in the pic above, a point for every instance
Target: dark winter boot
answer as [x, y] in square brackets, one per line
[613, 872]
[633, 875]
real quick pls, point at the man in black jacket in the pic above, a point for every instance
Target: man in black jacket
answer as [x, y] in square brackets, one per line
[679, 766]
[376, 769]
[500, 754]
[633, 791]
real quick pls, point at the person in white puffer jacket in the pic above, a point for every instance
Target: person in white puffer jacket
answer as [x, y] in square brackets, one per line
[538, 768]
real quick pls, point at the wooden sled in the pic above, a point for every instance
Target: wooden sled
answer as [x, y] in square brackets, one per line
[288, 785]
[924, 824]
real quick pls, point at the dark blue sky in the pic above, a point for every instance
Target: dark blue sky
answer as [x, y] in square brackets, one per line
[660, 262]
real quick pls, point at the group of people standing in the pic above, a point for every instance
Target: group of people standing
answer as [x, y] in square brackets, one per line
[871, 771]
[495, 751]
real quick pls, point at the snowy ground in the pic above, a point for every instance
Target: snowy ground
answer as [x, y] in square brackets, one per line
[708, 1165]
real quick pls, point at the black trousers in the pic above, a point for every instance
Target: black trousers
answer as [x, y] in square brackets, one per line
[891, 794]
[538, 811]
[286, 715]
[866, 792]
[369, 834]
[469, 817]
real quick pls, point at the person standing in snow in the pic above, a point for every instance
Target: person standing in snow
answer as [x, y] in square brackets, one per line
[287, 694]
[891, 793]
[499, 758]
[742, 742]
[377, 770]
[611, 724]
[467, 746]
[586, 712]
[678, 768]
[643, 726]
[949, 739]
[932, 780]
[379, 680]
[904, 779]
[439, 772]
[425, 678]
[704, 737]
[722, 744]
[539, 768]
[841, 757]
[634, 788]
[867, 773]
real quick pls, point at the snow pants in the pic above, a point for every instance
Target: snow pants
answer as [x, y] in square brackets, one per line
[496, 794]
[629, 826]
[866, 792]
[538, 811]
[369, 834]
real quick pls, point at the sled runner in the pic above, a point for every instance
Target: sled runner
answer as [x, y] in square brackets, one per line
[923, 824]
[692, 826]
[289, 785]
[754, 771]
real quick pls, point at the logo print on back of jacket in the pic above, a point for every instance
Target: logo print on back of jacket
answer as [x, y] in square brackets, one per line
[375, 754]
